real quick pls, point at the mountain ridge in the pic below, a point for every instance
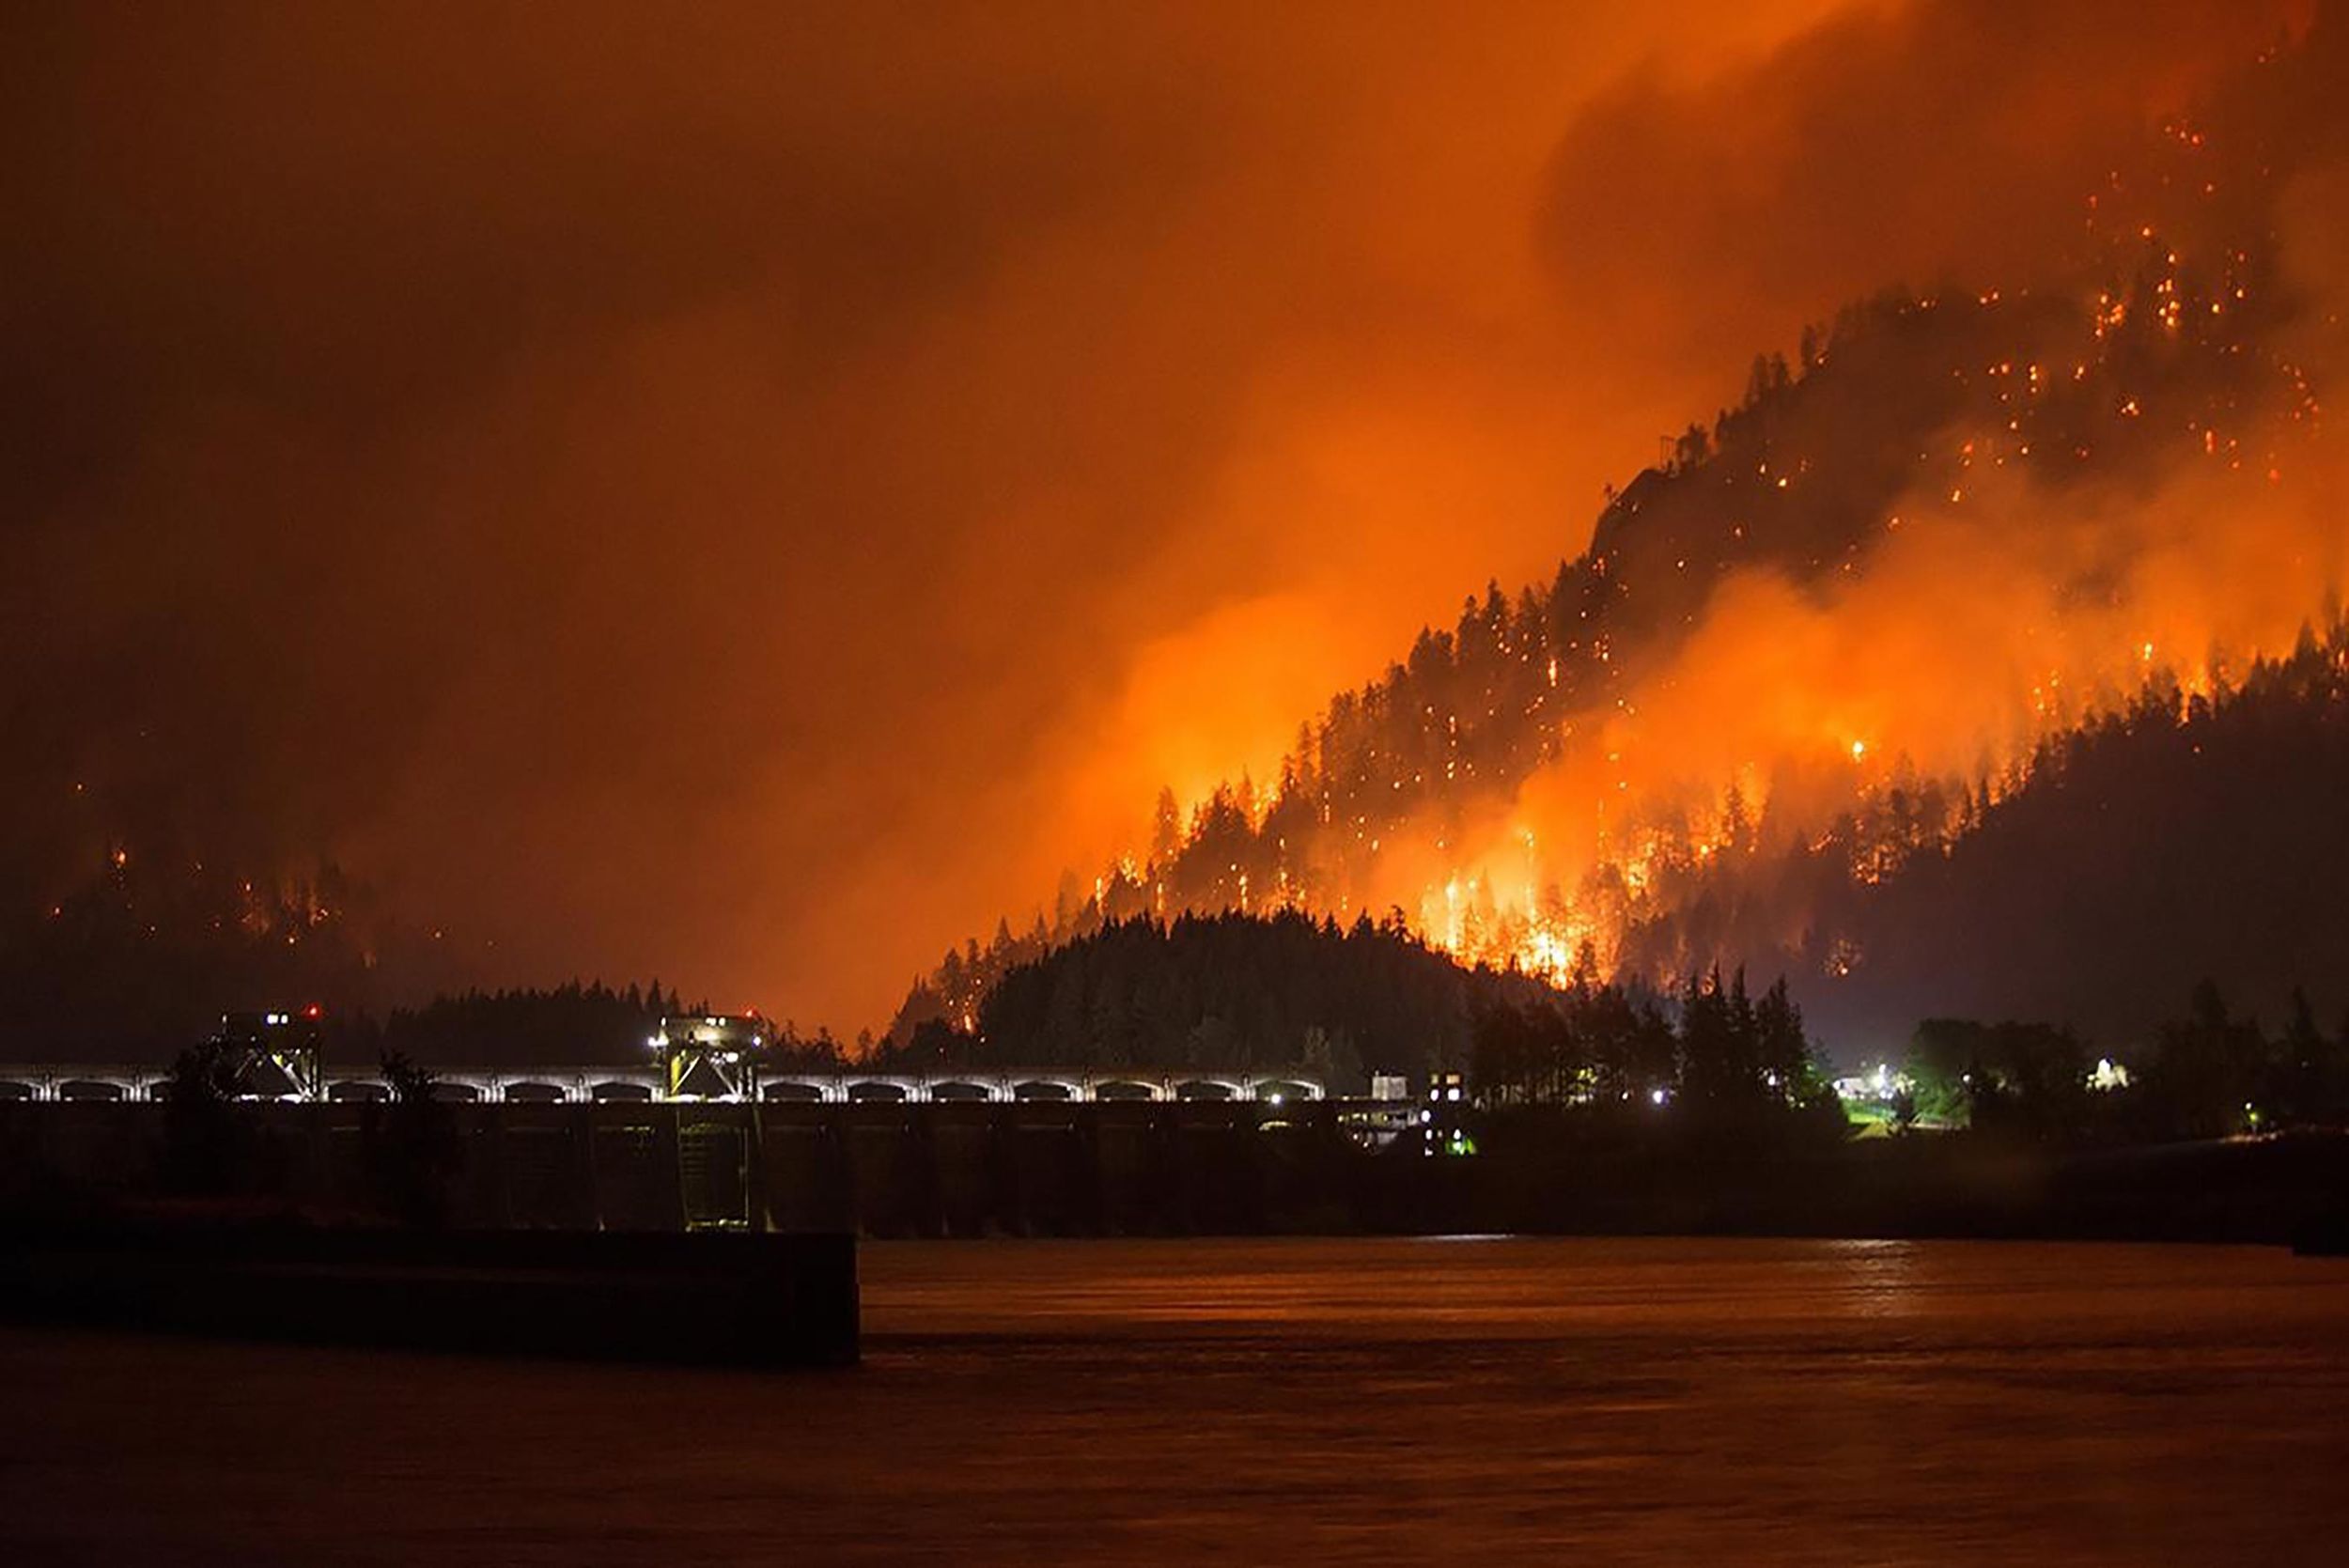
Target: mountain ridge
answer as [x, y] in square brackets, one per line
[2056, 423]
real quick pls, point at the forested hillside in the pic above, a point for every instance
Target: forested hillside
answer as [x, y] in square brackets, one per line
[1722, 732]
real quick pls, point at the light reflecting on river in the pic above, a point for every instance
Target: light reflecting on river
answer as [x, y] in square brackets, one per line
[1278, 1401]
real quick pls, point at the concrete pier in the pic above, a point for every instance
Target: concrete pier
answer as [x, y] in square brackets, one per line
[734, 1300]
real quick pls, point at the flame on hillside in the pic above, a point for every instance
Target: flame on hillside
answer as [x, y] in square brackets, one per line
[2111, 492]
[1878, 707]
[1883, 717]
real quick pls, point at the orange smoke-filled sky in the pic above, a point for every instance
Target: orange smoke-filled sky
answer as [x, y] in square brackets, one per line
[753, 493]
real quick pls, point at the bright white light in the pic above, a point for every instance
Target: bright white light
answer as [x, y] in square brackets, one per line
[1455, 1094]
[1276, 1099]
[1656, 1096]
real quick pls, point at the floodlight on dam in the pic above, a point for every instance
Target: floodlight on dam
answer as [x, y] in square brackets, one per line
[273, 1055]
[712, 1056]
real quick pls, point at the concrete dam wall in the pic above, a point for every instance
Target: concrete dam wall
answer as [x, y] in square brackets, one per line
[937, 1169]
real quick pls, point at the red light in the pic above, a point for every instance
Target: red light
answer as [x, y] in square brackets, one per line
[312, 1011]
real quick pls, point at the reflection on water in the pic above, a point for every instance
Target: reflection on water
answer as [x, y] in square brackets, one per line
[1292, 1401]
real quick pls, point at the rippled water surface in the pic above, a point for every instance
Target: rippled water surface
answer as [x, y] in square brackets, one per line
[1291, 1400]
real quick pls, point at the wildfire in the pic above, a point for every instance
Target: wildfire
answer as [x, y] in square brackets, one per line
[1567, 779]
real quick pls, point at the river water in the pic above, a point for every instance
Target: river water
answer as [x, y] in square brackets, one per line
[1288, 1401]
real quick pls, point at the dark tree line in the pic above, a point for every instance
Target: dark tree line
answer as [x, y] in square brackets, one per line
[2209, 1073]
[591, 1024]
[1228, 992]
[1285, 992]
[2198, 831]
[1714, 1052]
